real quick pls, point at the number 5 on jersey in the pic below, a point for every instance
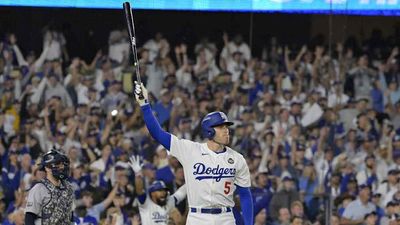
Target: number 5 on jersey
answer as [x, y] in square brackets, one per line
[227, 187]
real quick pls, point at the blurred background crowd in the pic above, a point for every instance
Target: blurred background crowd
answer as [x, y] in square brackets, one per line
[317, 124]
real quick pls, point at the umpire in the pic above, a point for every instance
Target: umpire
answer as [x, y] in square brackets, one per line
[50, 200]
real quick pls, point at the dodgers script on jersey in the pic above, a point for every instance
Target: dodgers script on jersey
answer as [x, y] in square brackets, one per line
[210, 177]
[153, 214]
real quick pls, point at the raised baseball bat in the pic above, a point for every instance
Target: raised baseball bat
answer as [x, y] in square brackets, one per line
[132, 36]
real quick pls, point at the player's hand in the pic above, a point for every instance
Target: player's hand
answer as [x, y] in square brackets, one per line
[141, 94]
[134, 163]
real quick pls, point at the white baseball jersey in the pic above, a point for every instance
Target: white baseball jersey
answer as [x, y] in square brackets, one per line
[153, 214]
[210, 176]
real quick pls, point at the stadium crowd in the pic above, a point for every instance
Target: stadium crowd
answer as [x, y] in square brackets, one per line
[318, 126]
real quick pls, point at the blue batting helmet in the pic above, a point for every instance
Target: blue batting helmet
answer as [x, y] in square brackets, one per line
[157, 186]
[212, 120]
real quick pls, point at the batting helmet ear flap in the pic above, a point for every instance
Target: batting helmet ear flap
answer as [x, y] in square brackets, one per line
[208, 132]
[211, 132]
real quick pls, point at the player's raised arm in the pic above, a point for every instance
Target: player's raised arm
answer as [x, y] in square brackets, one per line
[134, 163]
[152, 124]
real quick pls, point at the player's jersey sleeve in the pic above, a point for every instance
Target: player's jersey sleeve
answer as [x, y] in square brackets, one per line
[35, 199]
[145, 203]
[170, 204]
[242, 177]
[180, 194]
[181, 148]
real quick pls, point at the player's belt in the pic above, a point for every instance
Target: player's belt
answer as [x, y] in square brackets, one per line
[211, 210]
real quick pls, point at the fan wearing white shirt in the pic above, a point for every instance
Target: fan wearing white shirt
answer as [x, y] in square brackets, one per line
[336, 97]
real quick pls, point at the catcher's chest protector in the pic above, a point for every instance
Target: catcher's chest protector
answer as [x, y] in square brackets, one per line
[59, 209]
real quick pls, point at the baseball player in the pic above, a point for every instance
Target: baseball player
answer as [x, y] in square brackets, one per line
[155, 207]
[50, 201]
[212, 170]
